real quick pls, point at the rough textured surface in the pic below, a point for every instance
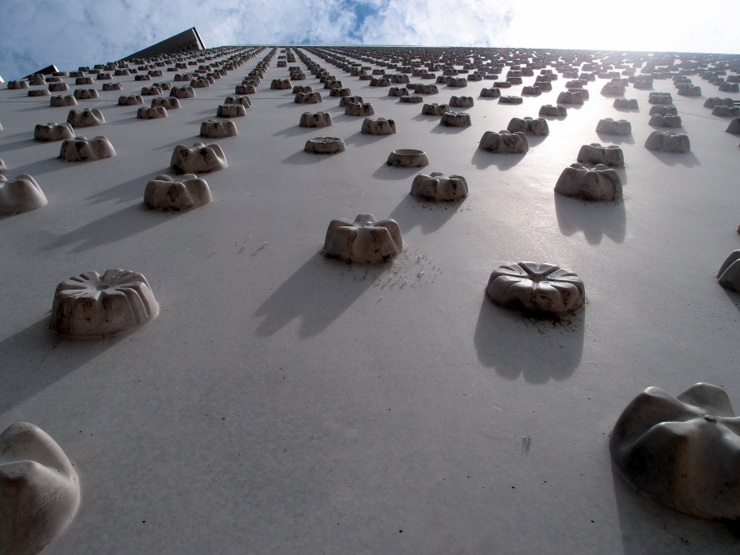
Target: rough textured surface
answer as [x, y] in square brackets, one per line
[90, 306]
[315, 119]
[85, 118]
[455, 119]
[53, 132]
[529, 126]
[435, 109]
[39, 490]
[553, 111]
[626, 104]
[364, 241]
[439, 187]
[504, 142]
[668, 142]
[357, 109]
[184, 193]
[681, 451]
[611, 155]
[264, 347]
[609, 126]
[22, 194]
[325, 145]
[198, 159]
[536, 289]
[595, 184]
[407, 158]
[151, 113]
[729, 272]
[81, 149]
[379, 126]
[213, 129]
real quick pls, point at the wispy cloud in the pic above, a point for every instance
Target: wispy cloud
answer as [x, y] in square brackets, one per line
[36, 34]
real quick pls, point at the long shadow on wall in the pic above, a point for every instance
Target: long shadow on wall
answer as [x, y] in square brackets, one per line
[429, 216]
[594, 219]
[318, 293]
[111, 228]
[538, 350]
[35, 358]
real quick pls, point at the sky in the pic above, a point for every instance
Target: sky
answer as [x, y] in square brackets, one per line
[73, 33]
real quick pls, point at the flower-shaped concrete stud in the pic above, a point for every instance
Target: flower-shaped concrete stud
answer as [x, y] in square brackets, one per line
[325, 145]
[357, 109]
[504, 142]
[398, 91]
[598, 184]
[594, 153]
[180, 92]
[609, 126]
[531, 91]
[80, 149]
[107, 87]
[22, 194]
[166, 102]
[346, 100]
[668, 142]
[726, 111]
[491, 92]
[613, 89]
[308, 98]
[571, 97]
[729, 272]
[61, 101]
[85, 118]
[213, 129]
[717, 101]
[231, 111]
[626, 104]
[91, 306]
[239, 99]
[379, 126]
[151, 113]
[130, 100]
[407, 158]
[364, 241]
[426, 88]
[529, 126]
[165, 193]
[281, 84]
[245, 89]
[198, 159]
[455, 119]
[511, 100]
[86, 94]
[663, 110]
[553, 111]
[434, 109]
[665, 121]
[438, 187]
[660, 98]
[411, 99]
[689, 90]
[537, 289]
[39, 490]
[682, 451]
[462, 101]
[53, 132]
[316, 119]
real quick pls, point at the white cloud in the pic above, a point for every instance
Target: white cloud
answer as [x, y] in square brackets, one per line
[36, 34]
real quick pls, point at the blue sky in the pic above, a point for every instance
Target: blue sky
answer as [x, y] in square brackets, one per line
[36, 33]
